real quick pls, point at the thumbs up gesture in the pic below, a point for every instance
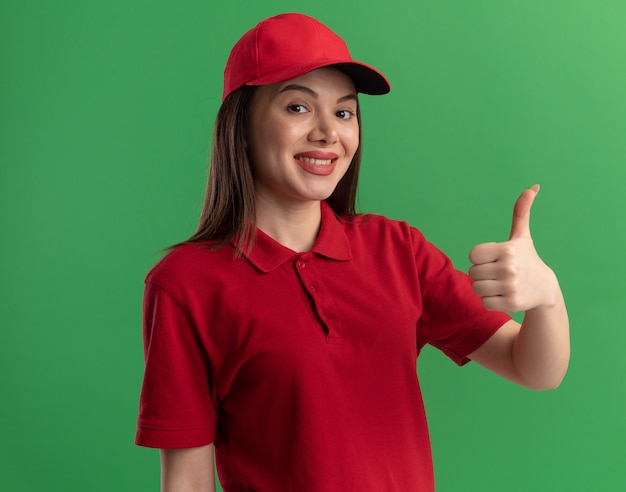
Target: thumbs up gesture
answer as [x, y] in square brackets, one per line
[510, 276]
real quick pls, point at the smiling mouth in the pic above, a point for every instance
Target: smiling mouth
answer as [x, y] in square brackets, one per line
[315, 162]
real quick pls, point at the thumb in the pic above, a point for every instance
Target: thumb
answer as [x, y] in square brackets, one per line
[520, 226]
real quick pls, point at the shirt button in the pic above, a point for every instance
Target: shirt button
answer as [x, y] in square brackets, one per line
[301, 264]
[313, 288]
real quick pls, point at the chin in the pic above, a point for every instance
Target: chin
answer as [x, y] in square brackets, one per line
[320, 195]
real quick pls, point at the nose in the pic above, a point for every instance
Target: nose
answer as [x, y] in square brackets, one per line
[324, 130]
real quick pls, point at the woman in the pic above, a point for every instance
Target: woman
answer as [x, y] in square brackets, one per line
[283, 335]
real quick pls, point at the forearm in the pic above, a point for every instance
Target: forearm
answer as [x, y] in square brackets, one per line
[541, 351]
[187, 470]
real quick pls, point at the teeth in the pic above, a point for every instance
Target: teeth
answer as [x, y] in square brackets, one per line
[317, 162]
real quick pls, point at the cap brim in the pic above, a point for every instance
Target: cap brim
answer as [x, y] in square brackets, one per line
[366, 79]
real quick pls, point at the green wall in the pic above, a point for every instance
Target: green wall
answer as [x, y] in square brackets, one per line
[106, 111]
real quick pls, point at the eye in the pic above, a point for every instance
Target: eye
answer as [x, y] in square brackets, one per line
[344, 114]
[297, 108]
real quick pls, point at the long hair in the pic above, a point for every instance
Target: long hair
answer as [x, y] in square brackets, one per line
[229, 206]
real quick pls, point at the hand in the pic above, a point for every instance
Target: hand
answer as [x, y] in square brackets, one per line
[510, 276]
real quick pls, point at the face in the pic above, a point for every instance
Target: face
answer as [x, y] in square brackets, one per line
[302, 136]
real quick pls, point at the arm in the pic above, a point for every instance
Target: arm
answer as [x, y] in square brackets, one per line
[188, 470]
[510, 276]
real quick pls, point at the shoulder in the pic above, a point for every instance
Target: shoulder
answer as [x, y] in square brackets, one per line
[373, 227]
[379, 236]
[189, 263]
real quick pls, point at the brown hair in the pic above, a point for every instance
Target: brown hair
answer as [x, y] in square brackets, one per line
[229, 205]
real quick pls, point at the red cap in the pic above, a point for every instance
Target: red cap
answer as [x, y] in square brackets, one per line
[289, 45]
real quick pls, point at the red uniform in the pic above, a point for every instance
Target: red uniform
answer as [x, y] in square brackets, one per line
[301, 367]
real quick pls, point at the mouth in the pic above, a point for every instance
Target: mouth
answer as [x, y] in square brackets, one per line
[315, 162]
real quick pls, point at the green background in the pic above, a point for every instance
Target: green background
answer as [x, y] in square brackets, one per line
[106, 112]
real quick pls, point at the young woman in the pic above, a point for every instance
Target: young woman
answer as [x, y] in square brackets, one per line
[283, 335]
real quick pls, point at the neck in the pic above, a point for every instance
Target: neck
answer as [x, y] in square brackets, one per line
[295, 227]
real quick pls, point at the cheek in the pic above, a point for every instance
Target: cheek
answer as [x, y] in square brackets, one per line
[351, 140]
[274, 139]
[269, 147]
[260, 145]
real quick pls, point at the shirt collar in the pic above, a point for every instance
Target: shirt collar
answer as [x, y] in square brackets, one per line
[267, 254]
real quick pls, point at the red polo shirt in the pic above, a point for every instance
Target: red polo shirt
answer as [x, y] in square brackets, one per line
[301, 366]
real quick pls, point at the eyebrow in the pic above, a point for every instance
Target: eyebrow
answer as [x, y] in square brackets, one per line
[311, 92]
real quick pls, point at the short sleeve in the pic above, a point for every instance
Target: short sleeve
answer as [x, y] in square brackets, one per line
[453, 319]
[176, 409]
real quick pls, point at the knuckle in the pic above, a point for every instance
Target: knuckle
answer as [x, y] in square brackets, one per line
[508, 249]
[510, 289]
[510, 270]
[515, 303]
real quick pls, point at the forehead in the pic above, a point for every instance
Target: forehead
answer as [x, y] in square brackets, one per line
[323, 81]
